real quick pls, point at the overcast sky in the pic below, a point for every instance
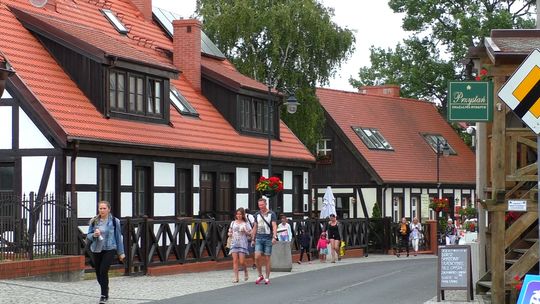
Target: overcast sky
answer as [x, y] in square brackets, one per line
[372, 20]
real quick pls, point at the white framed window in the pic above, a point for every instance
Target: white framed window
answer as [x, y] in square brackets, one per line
[324, 147]
[116, 23]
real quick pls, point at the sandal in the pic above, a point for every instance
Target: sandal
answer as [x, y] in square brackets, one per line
[235, 281]
[246, 277]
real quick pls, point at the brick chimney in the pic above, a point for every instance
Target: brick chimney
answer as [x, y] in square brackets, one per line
[187, 49]
[390, 90]
[145, 7]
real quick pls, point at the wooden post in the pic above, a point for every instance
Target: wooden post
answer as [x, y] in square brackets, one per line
[498, 144]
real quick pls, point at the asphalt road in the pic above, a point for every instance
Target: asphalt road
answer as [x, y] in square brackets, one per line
[401, 281]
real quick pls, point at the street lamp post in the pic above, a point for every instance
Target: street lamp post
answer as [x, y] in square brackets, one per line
[292, 105]
[441, 148]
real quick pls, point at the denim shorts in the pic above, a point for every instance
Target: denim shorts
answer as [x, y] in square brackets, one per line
[263, 244]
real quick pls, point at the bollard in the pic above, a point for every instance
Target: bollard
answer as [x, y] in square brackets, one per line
[281, 258]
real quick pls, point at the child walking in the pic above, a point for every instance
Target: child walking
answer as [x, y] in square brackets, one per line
[322, 247]
[305, 241]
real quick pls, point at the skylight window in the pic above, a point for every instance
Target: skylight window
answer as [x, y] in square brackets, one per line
[372, 138]
[434, 139]
[118, 25]
[181, 104]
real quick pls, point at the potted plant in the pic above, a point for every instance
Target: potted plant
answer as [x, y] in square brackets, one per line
[324, 158]
[439, 204]
[269, 186]
[468, 212]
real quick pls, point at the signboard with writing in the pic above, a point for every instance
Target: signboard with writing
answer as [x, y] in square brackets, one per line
[454, 270]
[470, 101]
[424, 205]
[517, 205]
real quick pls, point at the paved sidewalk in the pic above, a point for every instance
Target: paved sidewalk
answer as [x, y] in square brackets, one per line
[143, 289]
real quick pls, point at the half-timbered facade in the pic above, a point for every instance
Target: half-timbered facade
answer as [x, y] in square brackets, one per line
[380, 148]
[111, 101]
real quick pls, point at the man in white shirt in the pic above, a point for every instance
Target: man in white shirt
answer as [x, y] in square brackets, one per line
[264, 235]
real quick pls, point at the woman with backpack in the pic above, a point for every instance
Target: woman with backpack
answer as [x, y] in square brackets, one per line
[105, 235]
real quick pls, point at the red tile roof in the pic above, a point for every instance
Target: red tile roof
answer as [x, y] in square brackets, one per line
[76, 115]
[224, 69]
[401, 121]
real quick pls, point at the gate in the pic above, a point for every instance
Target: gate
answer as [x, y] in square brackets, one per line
[34, 227]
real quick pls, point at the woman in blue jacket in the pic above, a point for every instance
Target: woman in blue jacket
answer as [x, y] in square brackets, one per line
[105, 236]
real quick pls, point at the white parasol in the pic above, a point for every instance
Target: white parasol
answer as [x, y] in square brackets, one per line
[329, 203]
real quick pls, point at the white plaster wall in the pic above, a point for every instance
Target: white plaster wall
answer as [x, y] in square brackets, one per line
[86, 204]
[32, 169]
[242, 178]
[163, 204]
[126, 172]
[370, 197]
[306, 202]
[196, 204]
[6, 127]
[163, 174]
[86, 171]
[242, 200]
[287, 203]
[6, 94]
[265, 172]
[388, 203]
[68, 169]
[196, 180]
[287, 180]
[126, 202]
[30, 137]
[306, 180]
[407, 202]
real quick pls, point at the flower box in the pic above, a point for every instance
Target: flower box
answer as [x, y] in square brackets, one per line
[269, 187]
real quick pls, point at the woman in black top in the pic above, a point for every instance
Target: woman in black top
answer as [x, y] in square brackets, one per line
[334, 237]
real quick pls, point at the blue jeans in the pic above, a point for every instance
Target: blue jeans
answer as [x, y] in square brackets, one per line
[263, 244]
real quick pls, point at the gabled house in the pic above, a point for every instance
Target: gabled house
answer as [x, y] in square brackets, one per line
[380, 148]
[112, 100]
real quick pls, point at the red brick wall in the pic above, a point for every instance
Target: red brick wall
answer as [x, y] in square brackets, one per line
[187, 50]
[145, 7]
[27, 268]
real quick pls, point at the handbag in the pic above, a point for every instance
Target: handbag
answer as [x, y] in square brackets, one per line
[229, 238]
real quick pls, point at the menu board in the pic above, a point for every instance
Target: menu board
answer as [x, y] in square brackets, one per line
[454, 270]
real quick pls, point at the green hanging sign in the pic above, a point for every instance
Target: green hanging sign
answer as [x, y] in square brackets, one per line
[470, 101]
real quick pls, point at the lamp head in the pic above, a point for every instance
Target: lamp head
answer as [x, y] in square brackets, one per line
[292, 104]
[445, 149]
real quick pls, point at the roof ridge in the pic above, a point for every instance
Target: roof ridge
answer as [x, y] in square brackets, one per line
[374, 95]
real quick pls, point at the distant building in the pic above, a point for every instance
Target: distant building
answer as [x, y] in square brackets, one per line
[380, 148]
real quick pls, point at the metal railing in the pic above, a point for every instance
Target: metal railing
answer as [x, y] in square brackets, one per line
[34, 227]
[152, 242]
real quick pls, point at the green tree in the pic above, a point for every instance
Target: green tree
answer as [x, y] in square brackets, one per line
[288, 44]
[376, 211]
[442, 32]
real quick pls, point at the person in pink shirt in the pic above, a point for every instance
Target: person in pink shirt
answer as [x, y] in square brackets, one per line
[322, 247]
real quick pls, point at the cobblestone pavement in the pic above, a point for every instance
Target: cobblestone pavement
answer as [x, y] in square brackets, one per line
[143, 289]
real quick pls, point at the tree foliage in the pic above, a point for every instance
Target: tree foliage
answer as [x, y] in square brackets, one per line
[442, 32]
[290, 44]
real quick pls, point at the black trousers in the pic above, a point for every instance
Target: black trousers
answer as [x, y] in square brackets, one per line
[103, 261]
[306, 250]
[403, 242]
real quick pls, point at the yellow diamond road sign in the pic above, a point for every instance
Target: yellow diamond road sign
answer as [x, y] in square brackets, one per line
[522, 91]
